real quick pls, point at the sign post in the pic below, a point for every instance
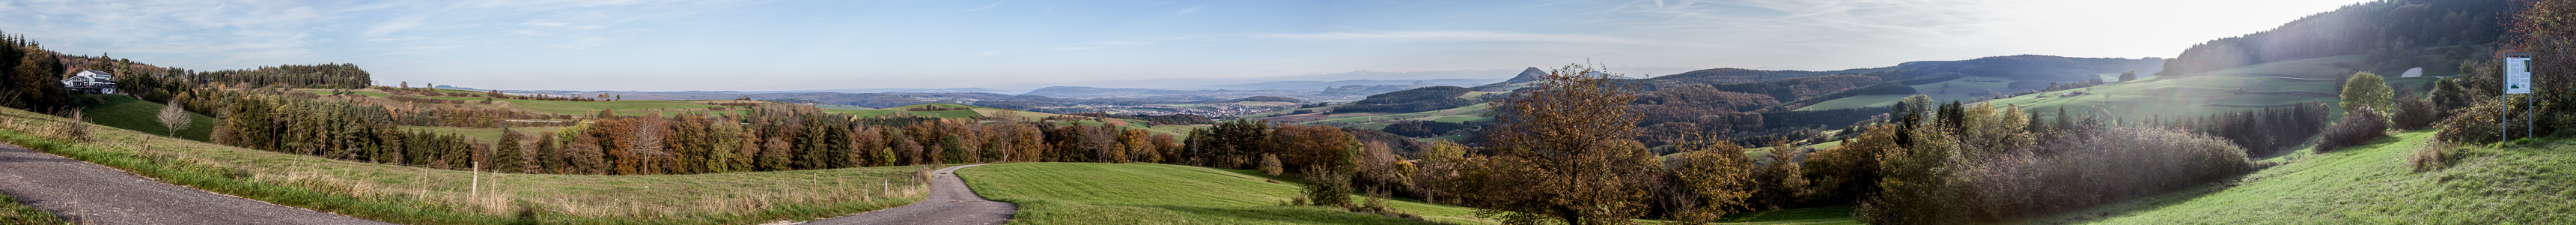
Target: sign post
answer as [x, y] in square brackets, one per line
[2517, 80]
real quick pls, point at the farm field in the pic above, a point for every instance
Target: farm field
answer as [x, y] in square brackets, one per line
[2201, 94]
[1863, 101]
[491, 135]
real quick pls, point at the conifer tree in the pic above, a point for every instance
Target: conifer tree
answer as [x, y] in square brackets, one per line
[508, 157]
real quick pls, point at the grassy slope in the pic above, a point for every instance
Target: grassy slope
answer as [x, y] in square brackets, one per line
[418, 195]
[1963, 90]
[1097, 193]
[2372, 184]
[2196, 95]
[125, 112]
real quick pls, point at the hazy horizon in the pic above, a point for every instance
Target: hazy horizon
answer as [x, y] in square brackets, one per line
[651, 45]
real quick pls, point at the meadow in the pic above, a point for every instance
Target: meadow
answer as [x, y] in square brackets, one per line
[1101, 193]
[2373, 184]
[416, 195]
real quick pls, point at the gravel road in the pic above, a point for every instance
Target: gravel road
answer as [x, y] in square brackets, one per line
[91, 194]
[950, 202]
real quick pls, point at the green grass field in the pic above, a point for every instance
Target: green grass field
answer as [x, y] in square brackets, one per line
[2199, 94]
[484, 135]
[1455, 115]
[1856, 102]
[2372, 184]
[2320, 67]
[126, 112]
[415, 195]
[1963, 89]
[1099, 193]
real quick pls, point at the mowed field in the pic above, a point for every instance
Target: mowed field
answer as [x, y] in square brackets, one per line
[1101, 193]
[126, 112]
[1863, 101]
[2372, 184]
[415, 195]
[2262, 85]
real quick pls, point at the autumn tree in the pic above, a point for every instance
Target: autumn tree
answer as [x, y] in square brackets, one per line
[1563, 150]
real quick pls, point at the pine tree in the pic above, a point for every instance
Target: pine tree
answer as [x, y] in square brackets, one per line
[508, 157]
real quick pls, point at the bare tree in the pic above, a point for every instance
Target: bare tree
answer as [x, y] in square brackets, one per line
[173, 117]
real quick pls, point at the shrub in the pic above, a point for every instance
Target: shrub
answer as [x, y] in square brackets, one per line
[2473, 124]
[1326, 187]
[2414, 113]
[2359, 125]
[2433, 155]
[1270, 164]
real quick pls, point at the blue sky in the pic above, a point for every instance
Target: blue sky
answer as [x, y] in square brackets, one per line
[655, 45]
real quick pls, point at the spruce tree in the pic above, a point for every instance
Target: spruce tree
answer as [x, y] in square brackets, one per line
[507, 157]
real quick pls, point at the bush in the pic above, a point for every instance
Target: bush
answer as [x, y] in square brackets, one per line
[2415, 113]
[2434, 155]
[2473, 124]
[1326, 187]
[1270, 164]
[2358, 126]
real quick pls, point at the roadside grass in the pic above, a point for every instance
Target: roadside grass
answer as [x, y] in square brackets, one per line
[126, 112]
[13, 213]
[1855, 102]
[1103, 193]
[2372, 184]
[413, 195]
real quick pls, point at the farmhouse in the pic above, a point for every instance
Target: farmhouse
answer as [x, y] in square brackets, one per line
[91, 82]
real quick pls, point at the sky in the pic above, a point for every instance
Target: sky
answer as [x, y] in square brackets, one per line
[752, 45]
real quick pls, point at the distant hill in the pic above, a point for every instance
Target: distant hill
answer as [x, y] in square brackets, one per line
[897, 90]
[1517, 81]
[2391, 35]
[1302, 85]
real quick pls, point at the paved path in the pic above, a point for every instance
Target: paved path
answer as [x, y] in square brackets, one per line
[950, 202]
[91, 194]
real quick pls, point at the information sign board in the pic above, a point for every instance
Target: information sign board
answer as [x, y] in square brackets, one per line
[2517, 74]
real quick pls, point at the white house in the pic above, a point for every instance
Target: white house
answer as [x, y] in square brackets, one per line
[91, 82]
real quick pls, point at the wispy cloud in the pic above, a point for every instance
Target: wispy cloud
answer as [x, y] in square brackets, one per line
[1192, 9]
[1473, 36]
[995, 4]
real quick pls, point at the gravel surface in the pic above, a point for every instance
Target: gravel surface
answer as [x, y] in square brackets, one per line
[950, 202]
[91, 194]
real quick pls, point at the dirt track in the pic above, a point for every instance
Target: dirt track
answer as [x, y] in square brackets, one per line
[950, 202]
[91, 194]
